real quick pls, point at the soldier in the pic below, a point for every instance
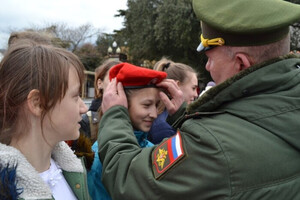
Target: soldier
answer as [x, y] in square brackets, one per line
[240, 140]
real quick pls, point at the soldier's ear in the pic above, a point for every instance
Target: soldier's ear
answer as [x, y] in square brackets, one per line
[34, 102]
[242, 61]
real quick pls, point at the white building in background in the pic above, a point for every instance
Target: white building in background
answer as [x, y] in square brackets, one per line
[1, 56]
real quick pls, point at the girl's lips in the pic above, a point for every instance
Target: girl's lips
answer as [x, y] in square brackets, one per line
[148, 122]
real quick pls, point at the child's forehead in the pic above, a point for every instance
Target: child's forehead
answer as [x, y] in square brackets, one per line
[148, 89]
[145, 92]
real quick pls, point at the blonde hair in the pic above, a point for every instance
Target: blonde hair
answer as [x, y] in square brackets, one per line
[176, 71]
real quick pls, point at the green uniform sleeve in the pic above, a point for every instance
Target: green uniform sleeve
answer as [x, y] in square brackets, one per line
[129, 171]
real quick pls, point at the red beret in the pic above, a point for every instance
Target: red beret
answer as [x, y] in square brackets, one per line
[132, 76]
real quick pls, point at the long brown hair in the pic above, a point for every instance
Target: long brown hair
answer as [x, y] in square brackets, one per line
[27, 66]
[100, 73]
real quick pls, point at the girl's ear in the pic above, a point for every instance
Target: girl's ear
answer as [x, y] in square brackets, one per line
[99, 84]
[243, 61]
[34, 102]
[178, 83]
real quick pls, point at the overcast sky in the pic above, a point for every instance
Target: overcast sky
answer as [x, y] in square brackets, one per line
[20, 14]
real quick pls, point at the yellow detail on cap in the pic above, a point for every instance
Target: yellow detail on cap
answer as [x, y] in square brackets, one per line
[215, 41]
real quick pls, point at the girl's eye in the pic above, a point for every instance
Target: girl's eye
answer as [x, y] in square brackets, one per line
[77, 96]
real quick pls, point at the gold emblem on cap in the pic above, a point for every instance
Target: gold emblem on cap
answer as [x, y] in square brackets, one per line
[212, 42]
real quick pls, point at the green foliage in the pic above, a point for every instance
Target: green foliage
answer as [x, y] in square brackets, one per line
[103, 42]
[295, 31]
[139, 22]
[295, 37]
[157, 28]
[89, 56]
[174, 25]
[177, 33]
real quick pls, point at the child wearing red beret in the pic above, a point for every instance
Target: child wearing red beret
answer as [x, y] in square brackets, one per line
[143, 100]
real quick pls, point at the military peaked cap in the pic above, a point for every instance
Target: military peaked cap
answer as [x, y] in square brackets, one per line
[244, 22]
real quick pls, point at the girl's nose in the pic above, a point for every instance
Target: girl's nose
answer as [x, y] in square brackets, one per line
[153, 113]
[83, 107]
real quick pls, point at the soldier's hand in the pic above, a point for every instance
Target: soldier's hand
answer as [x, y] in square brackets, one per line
[113, 95]
[174, 97]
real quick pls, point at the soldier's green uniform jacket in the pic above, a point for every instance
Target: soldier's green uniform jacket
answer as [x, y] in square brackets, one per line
[238, 141]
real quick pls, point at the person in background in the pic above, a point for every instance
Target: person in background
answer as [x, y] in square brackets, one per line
[143, 101]
[29, 35]
[37, 37]
[186, 79]
[85, 145]
[184, 76]
[209, 85]
[89, 127]
[40, 108]
[240, 140]
[90, 120]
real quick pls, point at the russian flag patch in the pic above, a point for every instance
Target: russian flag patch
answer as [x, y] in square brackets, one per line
[167, 154]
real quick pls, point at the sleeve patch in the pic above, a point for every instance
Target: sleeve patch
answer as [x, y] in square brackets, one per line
[167, 154]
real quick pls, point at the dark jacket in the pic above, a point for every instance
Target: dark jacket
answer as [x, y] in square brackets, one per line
[160, 129]
[90, 120]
